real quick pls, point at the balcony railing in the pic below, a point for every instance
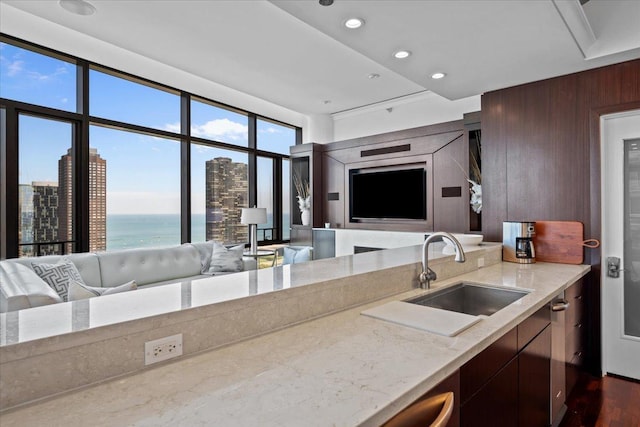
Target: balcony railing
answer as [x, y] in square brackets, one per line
[62, 247]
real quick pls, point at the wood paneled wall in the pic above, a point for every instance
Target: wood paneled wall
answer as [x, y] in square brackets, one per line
[541, 156]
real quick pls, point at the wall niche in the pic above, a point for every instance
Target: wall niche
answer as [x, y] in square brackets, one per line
[443, 150]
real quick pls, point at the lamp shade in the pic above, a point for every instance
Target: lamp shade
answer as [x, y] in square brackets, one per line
[253, 216]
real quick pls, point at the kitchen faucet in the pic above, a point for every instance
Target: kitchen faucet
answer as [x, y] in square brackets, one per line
[428, 274]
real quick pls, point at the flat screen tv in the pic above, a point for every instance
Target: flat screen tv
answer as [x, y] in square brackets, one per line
[399, 194]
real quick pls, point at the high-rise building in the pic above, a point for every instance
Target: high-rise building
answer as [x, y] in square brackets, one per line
[97, 199]
[65, 200]
[227, 192]
[45, 215]
[25, 213]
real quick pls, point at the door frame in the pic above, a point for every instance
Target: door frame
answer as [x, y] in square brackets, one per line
[611, 321]
[593, 257]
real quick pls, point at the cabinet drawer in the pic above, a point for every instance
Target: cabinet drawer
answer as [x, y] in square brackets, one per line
[496, 404]
[574, 343]
[575, 296]
[575, 290]
[483, 366]
[573, 368]
[575, 315]
[533, 325]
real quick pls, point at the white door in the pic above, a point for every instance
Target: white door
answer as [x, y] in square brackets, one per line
[620, 142]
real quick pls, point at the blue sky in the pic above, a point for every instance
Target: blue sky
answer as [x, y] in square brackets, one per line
[142, 171]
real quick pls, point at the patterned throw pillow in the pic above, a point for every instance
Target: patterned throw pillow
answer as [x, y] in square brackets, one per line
[58, 276]
[78, 290]
[225, 260]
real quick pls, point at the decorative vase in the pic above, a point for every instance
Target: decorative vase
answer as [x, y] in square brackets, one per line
[305, 216]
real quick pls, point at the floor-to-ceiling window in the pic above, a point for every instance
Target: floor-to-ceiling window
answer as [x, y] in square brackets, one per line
[96, 159]
[45, 186]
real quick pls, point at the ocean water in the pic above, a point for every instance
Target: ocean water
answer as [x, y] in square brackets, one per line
[144, 231]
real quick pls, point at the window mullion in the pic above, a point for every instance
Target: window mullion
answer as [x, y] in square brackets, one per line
[185, 168]
[80, 144]
[253, 161]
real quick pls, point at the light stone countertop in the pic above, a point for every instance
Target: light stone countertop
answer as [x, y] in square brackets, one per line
[340, 370]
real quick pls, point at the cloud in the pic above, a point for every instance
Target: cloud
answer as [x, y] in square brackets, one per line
[270, 130]
[14, 68]
[172, 127]
[220, 130]
[45, 77]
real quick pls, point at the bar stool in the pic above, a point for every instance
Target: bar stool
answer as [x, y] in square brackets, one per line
[434, 412]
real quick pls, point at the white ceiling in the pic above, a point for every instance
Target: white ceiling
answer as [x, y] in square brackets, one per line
[297, 53]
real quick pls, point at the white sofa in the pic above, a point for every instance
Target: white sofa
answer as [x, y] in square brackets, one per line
[21, 288]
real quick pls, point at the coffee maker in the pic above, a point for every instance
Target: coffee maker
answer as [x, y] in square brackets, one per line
[517, 242]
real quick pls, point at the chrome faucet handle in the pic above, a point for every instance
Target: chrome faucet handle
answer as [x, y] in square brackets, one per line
[426, 277]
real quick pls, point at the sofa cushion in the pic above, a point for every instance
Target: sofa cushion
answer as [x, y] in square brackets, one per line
[23, 288]
[225, 260]
[205, 249]
[86, 263]
[78, 290]
[58, 276]
[148, 265]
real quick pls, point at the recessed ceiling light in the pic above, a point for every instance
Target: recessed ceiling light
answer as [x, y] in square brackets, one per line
[326, 2]
[437, 76]
[373, 76]
[78, 7]
[401, 54]
[353, 23]
[326, 101]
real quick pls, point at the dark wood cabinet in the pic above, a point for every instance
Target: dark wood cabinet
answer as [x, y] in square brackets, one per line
[534, 381]
[508, 384]
[479, 370]
[496, 402]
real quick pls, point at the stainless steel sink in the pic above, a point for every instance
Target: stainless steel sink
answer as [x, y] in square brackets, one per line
[470, 298]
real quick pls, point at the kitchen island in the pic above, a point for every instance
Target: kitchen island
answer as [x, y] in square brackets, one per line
[342, 369]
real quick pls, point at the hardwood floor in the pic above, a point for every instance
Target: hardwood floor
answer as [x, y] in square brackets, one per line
[604, 402]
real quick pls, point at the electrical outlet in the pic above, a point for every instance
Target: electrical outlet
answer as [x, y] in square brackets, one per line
[162, 349]
[480, 262]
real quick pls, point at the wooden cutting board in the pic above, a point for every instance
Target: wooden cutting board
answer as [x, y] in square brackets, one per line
[559, 241]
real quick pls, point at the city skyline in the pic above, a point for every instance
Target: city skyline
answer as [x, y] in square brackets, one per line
[46, 207]
[35, 78]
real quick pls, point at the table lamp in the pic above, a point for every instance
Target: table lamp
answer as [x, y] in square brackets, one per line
[252, 217]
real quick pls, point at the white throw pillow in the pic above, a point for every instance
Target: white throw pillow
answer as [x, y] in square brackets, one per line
[58, 276]
[225, 260]
[17, 281]
[205, 250]
[78, 290]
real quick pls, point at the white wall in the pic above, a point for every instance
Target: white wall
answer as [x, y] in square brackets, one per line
[25, 26]
[318, 128]
[411, 111]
